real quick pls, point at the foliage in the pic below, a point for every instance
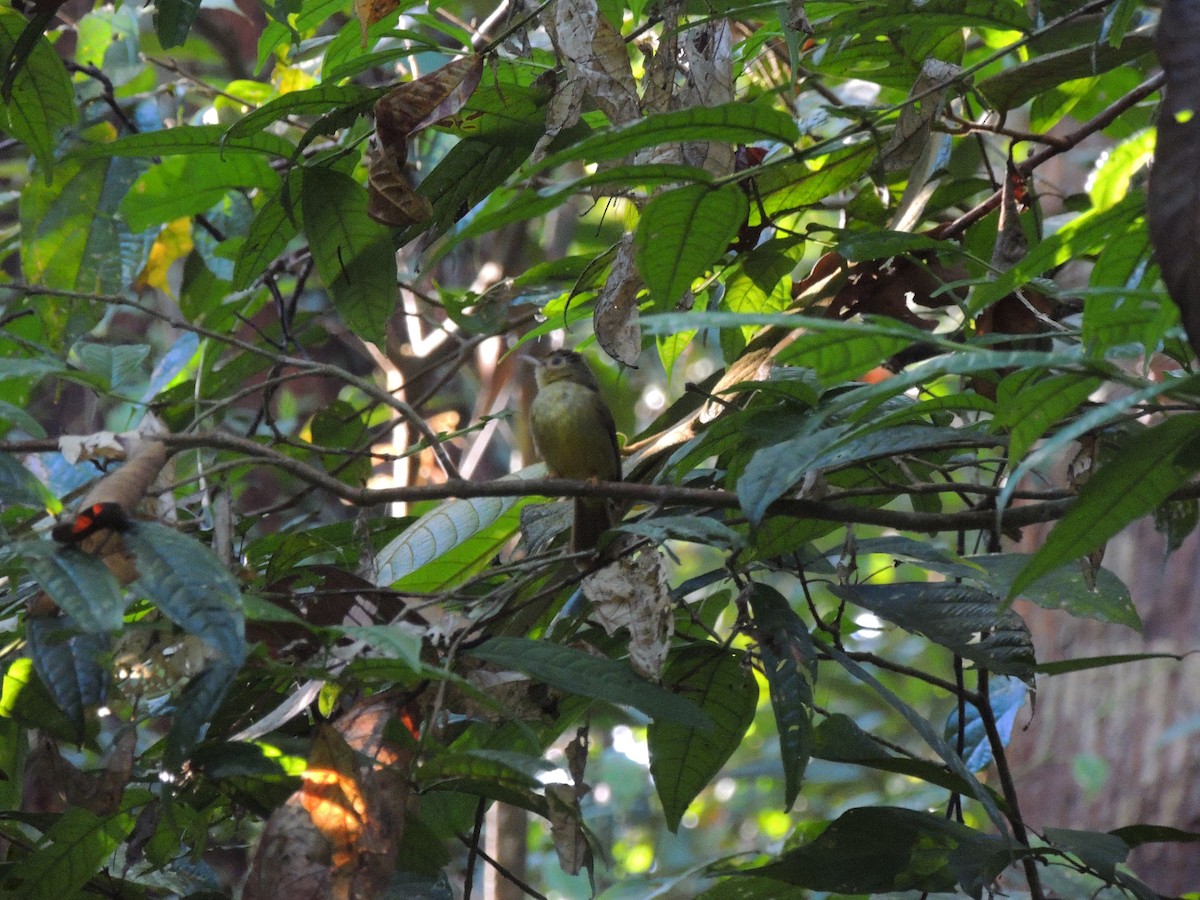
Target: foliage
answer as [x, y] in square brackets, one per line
[243, 315]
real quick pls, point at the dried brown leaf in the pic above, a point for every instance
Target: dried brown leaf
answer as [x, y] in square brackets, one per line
[595, 55]
[632, 593]
[615, 317]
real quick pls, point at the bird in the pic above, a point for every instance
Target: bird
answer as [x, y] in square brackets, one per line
[575, 434]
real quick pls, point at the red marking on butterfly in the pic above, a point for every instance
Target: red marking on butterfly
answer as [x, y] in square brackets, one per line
[91, 519]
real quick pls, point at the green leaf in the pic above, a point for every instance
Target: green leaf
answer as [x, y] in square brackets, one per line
[354, 254]
[17, 484]
[732, 123]
[1016, 85]
[966, 620]
[792, 186]
[189, 185]
[388, 641]
[1064, 588]
[503, 210]
[789, 662]
[1145, 471]
[313, 101]
[684, 758]
[190, 587]
[1137, 835]
[78, 582]
[597, 677]
[697, 529]
[173, 20]
[839, 739]
[472, 169]
[1103, 415]
[42, 102]
[1030, 406]
[274, 226]
[883, 849]
[452, 541]
[188, 140]
[1088, 233]
[72, 666]
[195, 708]
[928, 734]
[69, 853]
[773, 470]
[71, 235]
[682, 233]
[1097, 850]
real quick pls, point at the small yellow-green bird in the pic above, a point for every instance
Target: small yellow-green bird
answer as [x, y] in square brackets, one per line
[576, 436]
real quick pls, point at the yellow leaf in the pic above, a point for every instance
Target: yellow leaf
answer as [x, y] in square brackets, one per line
[173, 242]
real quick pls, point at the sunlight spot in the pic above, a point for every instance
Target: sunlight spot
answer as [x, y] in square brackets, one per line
[870, 626]
[624, 741]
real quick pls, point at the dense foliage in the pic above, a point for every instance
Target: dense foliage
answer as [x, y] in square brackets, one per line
[306, 611]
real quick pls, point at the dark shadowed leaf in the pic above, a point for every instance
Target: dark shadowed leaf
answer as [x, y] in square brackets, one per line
[964, 619]
[790, 665]
[684, 759]
[592, 676]
[882, 849]
[1143, 473]
[189, 585]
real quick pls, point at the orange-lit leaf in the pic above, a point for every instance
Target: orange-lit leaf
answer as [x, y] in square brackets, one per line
[371, 11]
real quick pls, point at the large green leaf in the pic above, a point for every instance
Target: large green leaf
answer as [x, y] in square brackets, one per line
[775, 469]
[792, 186]
[1144, 472]
[71, 235]
[594, 676]
[42, 102]
[472, 169]
[187, 140]
[452, 541]
[964, 619]
[1106, 599]
[1089, 233]
[684, 758]
[195, 708]
[883, 849]
[72, 666]
[69, 853]
[189, 185]
[789, 662]
[839, 739]
[173, 20]
[353, 253]
[682, 233]
[314, 101]
[275, 224]
[1017, 85]
[1030, 406]
[188, 584]
[79, 583]
[734, 123]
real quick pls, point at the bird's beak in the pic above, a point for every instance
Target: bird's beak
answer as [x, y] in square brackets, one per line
[534, 361]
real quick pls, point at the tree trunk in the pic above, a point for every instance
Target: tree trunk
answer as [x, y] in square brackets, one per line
[1122, 714]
